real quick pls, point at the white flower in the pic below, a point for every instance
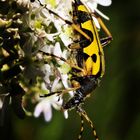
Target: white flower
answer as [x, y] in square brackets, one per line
[104, 2]
[45, 107]
[24, 3]
[101, 2]
[92, 4]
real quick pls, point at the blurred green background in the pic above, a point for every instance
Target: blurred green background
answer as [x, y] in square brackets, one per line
[114, 107]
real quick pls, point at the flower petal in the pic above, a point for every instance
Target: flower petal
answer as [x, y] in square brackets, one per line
[104, 2]
[38, 110]
[66, 114]
[1, 103]
[47, 113]
[57, 50]
[55, 84]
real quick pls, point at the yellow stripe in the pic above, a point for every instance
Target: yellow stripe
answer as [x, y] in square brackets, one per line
[80, 31]
[83, 8]
[94, 48]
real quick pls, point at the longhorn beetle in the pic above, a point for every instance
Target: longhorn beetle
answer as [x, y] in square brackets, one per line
[90, 66]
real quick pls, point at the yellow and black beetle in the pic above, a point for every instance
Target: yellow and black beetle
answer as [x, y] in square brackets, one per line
[89, 57]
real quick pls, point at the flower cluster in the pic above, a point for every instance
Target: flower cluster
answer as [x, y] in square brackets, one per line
[28, 34]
